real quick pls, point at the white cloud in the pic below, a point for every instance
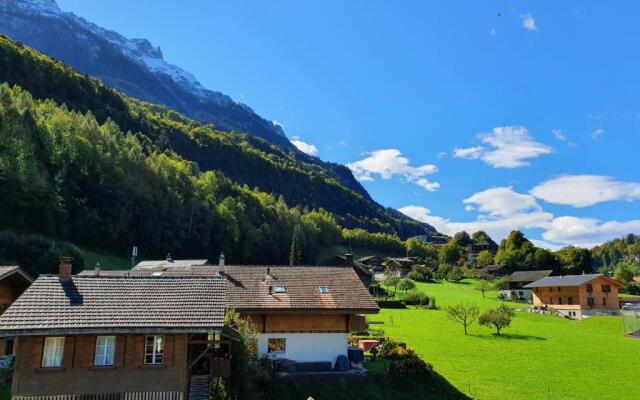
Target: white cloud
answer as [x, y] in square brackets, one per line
[587, 232]
[307, 148]
[507, 147]
[598, 134]
[469, 153]
[529, 23]
[558, 134]
[585, 190]
[502, 210]
[389, 163]
[502, 202]
[442, 155]
[342, 143]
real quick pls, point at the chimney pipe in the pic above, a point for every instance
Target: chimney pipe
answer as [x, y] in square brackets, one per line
[349, 258]
[268, 271]
[65, 267]
[97, 269]
[270, 290]
[221, 264]
[168, 258]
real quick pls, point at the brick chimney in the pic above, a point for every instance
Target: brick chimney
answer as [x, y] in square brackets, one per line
[65, 267]
[97, 269]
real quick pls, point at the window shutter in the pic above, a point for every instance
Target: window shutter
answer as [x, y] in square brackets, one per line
[86, 350]
[67, 357]
[168, 349]
[120, 350]
[138, 350]
[38, 348]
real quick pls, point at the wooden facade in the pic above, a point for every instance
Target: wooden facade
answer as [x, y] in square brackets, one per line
[128, 378]
[306, 323]
[598, 294]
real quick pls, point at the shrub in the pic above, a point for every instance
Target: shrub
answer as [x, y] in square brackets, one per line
[410, 366]
[455, 274]
[389, 346]
[442, 271]
[391, 304]
[406, 284]
[420, 273]
[416, 298]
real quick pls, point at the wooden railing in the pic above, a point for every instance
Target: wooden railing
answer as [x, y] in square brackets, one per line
[172, 395]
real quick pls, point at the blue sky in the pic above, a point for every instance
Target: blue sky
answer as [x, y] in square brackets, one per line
[479, 115]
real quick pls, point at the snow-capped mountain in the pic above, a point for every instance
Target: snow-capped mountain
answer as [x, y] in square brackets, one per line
[134, 66]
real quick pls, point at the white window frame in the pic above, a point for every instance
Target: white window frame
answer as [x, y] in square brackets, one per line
[53, 352]
[105, 351]
[157, 349]
[324, 290]
[280, 289]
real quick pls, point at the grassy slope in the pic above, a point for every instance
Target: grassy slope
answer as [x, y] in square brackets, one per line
[572, 359]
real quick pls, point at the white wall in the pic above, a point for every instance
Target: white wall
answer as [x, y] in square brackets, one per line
[307, 347]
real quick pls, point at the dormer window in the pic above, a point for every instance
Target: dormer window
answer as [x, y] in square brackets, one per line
[280, 289]
[324, 290]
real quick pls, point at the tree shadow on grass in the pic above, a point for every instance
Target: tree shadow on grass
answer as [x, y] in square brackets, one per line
[509, 336]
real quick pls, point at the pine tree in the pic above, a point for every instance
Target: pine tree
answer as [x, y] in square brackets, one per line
[294, 253]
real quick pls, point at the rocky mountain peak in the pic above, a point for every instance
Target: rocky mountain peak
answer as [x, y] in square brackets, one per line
[40, 7]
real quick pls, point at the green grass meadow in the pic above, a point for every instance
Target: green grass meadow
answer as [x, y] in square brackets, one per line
[538, 357]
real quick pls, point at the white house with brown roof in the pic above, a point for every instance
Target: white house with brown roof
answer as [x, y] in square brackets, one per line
[302, 314]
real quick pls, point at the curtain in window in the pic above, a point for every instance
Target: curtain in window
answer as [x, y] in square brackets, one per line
[53, 351]
[105, 350]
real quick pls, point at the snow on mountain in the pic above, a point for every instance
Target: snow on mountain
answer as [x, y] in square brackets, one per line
[39, 7]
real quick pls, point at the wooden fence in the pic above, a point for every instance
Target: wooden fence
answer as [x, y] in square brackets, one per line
[173, 395]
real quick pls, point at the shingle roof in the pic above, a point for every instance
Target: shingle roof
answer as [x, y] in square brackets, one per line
[84, 304]
[164, 263]
[492, 268]
[248, 290]
[567, 280]
[8, 270]
[528, 276]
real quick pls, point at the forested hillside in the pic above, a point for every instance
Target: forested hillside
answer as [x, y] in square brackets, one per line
[82, 162]
[244, 159]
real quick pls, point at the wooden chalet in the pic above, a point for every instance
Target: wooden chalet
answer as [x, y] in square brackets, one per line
[13, 282]
[125, 337]
[303, 314]
[517, 282]
[401, 266]
[577, 296]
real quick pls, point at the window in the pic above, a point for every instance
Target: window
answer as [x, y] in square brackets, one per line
[559, 300]
[589, 288]
[276, 345]
[606, 288]
[324, 289]
[105, 350]
[590, 301]
[280, 289]
[154, 350]
[53, 351]
[569, 300]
